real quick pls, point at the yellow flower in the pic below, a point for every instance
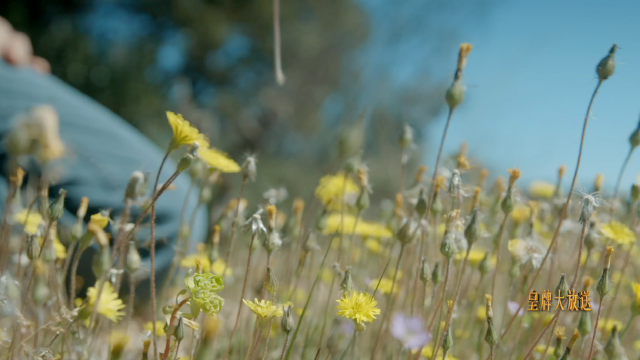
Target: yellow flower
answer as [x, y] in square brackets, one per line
[636, 293]
[542, 189]
[184, 133]
[61, 250]
[100, 220]
[30, 224]
[608, 324]
[373, 245]
[475, 257]
[636, 345]
[521, 213]
[363, 228]
[359, 307]
[109, 305]
[481, 313]
[265, 309]
[619, 233]
[218, 267]
[330, 189]
[540, 349]
[190, 261]
[327, 275]
[218, 160]
[159, 327]
[427, 352]
[385, 285]
[119, 340]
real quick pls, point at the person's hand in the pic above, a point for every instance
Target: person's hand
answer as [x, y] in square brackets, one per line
[16, 49]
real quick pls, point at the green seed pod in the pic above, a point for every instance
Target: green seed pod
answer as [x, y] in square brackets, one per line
[33, 248]
[563, 287]
[185, 162]
[447, 342]
[590, 239]
[491, 336]
[635, 192]
[634, 139]
[134, 261]
[133, 187]
[272, 283]
[56, 210]
[558, 350]
[448, 247]
[346, 286]
[407, 232]
[436, 207]
[101, 261]
[424, 270]
[287, 319]
[206, 194]
[421, 205]
[584, 324]
[607, 66]
[455, 94]
[472, 231]
[436, 275]
[49, 253]
[507, 202]
[484, 267]
[613, 349]
[179, 330]
[363, 202]
[603, 283]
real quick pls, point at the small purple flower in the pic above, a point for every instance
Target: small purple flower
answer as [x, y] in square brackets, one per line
[514, 306]
[410, 331]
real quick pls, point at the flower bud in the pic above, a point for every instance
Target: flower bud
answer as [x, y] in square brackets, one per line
[272, 241]
[447, 342]
[424, 270]
[421, 205]
[206, 194]
[607, 66]
[56, 209]
[406, 139]
[407, 232]
[455, 183]
[249, 169]
[484, 267]
[347, 283]
[287, 319]
[361, 327]
[448, 247]
[635, 192]
[590, 239]
[507, 202]
[603, 283]
[584, 324]
[363, 202]
[455, 94]
[179, 330]
[614, 349]
[634, 139]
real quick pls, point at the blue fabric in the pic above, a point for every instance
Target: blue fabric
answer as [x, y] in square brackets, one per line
[104, 152]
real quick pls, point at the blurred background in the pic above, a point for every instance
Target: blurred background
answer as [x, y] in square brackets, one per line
[371, 63]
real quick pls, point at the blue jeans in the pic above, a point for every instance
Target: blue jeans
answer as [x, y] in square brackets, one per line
[104, 152]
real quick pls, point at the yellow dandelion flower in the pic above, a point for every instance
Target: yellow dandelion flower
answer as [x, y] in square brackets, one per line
[190, 261]
[100, 220]
[218, 267]
[542, 189]
[636, 293]
[619, 233]
[362, 228]
[521, 213]
[330, 189]
[359, 307]
[109, 305]
[218, 160]
[159, 327]
[30, 224]
[481, 313]
[385, 285]
[184, 133]
[265, 309]
[427, 352]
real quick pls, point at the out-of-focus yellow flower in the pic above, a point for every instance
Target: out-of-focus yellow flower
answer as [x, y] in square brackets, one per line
[521, 213]
[636, 345]
[184, 133]
[265, 309]
[608, 324]
[218, 160]
[330, 189]
[619, 233]
[159, 327]
[540, 349]
[119, 339]
[30, 224]
[218, 267]
[363, 228]
[636, 293]
[427, 352]
[475, 257]
[190, 261]
[109, 305]
[61, 250]
[100, 220]
[373, 245]
[481, 313]
[542, 189]
[327, 275]
[385, 285]
[361, 307]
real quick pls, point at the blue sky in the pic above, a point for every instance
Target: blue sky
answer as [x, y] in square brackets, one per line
[529, 80]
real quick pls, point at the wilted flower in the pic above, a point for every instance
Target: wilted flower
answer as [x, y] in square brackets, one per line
[528, 251]
[410, 331]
